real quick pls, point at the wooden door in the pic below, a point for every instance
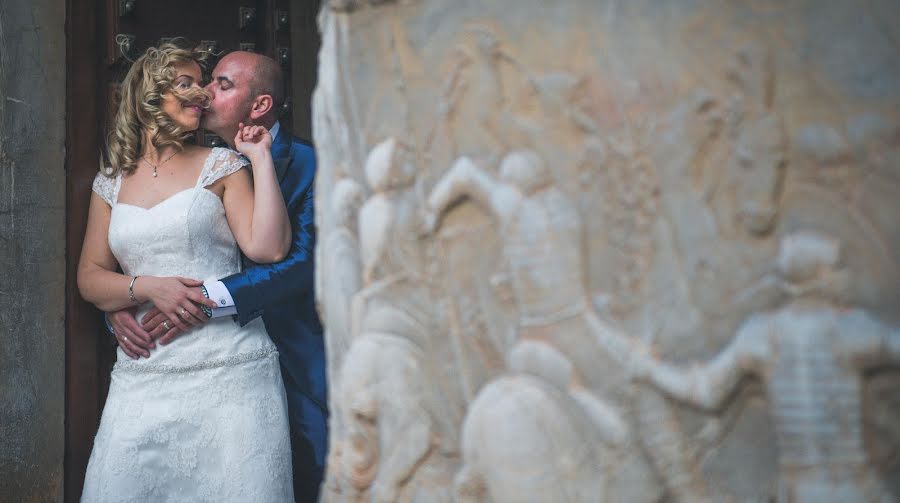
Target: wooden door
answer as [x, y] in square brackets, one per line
[102, 36]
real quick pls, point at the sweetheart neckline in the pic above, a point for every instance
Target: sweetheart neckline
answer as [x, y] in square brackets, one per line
[203, 189]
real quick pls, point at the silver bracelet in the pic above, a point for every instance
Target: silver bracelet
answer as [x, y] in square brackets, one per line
[131, 291]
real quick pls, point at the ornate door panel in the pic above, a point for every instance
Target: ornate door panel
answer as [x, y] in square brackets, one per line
[261, 26]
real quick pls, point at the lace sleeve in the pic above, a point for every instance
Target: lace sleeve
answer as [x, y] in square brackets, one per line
[221, 163]
[107, 188]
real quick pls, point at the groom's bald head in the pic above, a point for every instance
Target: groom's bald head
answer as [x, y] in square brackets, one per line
[266, 75]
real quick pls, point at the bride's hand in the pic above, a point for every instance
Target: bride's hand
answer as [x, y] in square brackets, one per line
[176, 298]
[153, 324]
[252, 140]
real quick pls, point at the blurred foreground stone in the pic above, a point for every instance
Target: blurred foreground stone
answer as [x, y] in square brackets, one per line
[610, 251]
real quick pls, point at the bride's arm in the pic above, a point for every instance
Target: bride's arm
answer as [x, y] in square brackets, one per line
[100, 285]
[97, 282]
[255, 207]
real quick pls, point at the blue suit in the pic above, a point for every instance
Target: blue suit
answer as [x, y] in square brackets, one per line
[284, 296]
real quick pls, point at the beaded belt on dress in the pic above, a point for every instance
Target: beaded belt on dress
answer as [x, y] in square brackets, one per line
[131, 366]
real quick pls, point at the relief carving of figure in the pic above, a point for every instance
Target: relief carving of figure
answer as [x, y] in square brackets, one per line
[387, 217]
[393, 298]
[811, 356]
[722, 218]
[757, 164]
[343, 268]
[543, 443]
[559, 334]
[396, 297]
[393, 451]
[395, 436]
[340, 263]
[475, 100]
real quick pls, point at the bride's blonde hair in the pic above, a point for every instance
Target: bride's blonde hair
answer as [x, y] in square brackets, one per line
[140, 105]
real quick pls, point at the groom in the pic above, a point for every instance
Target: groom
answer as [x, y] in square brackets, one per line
[249, 88]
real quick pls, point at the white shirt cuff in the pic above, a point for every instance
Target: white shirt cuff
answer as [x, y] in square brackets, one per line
[220, 294]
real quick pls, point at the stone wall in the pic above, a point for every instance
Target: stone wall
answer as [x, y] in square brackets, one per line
[32, 249]
[610, 251]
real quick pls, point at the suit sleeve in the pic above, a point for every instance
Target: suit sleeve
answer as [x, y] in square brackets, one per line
[261, 285]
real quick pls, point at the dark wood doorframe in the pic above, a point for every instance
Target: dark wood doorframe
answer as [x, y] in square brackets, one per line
[87, 348]
[305, 41]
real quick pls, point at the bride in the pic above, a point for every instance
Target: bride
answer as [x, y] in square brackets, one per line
[203, 418]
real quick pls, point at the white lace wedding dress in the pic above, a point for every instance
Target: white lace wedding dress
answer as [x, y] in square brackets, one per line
[205, 417]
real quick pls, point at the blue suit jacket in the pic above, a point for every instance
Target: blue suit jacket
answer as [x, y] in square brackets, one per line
[284, 296]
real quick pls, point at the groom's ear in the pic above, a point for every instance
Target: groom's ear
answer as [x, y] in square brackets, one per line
[261, 106]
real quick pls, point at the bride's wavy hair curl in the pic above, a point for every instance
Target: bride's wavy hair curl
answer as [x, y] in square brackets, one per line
[140, 104]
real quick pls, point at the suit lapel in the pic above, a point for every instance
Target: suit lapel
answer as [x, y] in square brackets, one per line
[281, 153]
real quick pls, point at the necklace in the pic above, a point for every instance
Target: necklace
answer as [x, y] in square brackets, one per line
[154, 166]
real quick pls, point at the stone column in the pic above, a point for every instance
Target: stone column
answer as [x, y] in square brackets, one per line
[32, 250]
[610, 251]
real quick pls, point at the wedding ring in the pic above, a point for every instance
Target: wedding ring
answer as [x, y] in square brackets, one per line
[166, 325]
[125, 338]
[183, 312]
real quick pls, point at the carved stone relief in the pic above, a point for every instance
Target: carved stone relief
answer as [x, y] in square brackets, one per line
[614, 251]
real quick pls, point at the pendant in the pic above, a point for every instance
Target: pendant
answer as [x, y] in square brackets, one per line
[154, 171]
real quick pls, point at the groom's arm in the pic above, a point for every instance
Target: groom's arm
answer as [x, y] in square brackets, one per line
[261, 285]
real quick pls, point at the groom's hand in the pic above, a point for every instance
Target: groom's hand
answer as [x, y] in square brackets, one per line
[132, 338]
[154, 323]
